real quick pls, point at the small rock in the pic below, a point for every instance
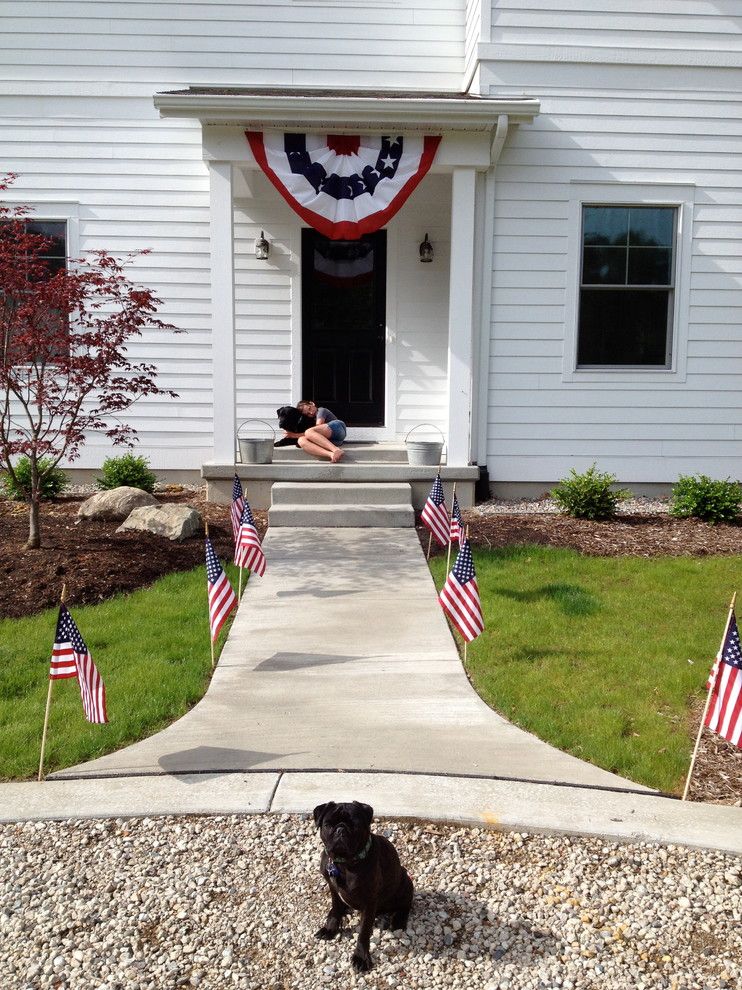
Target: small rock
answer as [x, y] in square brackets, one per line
[117, 503]
[176, 522]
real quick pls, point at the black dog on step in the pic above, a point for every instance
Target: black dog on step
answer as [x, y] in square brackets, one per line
[363, 873]
[294, 423]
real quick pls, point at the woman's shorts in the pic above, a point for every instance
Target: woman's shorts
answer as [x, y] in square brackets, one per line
[338, 431]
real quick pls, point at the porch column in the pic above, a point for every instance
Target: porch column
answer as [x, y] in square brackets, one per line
[222, 310]
[461, 316]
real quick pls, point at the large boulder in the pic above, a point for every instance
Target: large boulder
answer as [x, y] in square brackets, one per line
[116, 503]
[176, 522]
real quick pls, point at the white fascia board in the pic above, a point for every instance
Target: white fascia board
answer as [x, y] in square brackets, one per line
[473, 149]
[340, 112]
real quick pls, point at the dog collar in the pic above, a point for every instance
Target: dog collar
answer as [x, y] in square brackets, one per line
[332, 869]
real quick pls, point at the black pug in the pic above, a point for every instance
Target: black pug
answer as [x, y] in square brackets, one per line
[294, 423]
[363, 873]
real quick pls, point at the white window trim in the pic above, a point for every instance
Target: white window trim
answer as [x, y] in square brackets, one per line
[630, 194]
[57, 209]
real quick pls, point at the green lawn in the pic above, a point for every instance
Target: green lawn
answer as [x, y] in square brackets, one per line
[592, 653]
[152, 650]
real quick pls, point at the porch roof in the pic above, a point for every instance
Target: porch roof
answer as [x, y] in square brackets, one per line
[340, 109]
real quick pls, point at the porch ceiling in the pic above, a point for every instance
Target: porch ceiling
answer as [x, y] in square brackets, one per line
[341, 109]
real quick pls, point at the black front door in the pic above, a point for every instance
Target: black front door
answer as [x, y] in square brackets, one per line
[344, 325]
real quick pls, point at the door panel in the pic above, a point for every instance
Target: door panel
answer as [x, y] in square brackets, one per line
[344, 325]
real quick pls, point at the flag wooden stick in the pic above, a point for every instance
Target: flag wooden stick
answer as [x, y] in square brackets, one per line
[450, 520]
[466, 537]
[239, 587]
[46, 726]
[211, 641]
[708, 700]
[62, 598]
[430, 540]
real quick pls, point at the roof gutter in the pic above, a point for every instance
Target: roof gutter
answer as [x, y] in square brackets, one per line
[330, 112]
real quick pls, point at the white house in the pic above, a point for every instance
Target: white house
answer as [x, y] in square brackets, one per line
[584, 206]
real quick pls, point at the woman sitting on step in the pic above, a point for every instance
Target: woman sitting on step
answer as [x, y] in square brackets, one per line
[323, 440]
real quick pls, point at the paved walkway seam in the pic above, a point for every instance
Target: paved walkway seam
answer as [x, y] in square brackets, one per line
[219, 771]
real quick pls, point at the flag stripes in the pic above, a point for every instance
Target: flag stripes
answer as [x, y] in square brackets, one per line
[71, 658]
[435, 515]
[724, 715]
[222, 598]
[63, 662]
[248, 550]
[92, 690]
[457, 521]
[459, 595]
[237, 506]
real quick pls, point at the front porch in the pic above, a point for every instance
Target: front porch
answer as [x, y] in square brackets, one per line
[434, 325]
[363, 463]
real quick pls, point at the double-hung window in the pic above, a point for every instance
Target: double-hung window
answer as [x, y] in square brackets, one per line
[627, 286]
[629, 249]
[55, 232]
[53, 258]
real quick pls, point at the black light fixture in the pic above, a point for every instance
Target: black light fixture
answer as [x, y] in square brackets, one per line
[426, 250]
[262, 247]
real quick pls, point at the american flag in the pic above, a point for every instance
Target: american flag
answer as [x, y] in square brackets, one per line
[457, 523]
[724, 714]
[435, 514]
[222, 598]
[71, 658]
[238, 503]
[460, 595]
[248, 552]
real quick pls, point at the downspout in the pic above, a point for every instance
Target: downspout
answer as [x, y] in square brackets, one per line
[498, 142]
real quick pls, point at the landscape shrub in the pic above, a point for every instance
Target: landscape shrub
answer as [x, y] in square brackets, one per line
[126, 470]
[704, 498]
[54, 482]
[589, 495]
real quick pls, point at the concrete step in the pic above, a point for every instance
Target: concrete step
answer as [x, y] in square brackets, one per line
[354, 453]
[335, 516]
[340, 493]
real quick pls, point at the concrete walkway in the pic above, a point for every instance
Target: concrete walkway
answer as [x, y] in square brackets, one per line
[340, 658]
[340, 679]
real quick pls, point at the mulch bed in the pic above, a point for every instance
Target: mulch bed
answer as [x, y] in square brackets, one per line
[95, 562]
[91, 558]
[642, 536]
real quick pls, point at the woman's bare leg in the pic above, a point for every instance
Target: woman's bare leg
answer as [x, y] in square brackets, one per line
[314, 449]
[319, 436]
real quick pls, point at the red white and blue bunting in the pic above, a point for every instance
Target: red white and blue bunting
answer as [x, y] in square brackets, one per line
[343, 186]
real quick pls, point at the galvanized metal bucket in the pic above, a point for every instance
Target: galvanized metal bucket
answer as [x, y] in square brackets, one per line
[424, 452]
[255, 450]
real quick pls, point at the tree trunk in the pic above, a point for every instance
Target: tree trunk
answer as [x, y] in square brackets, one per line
[34, 530]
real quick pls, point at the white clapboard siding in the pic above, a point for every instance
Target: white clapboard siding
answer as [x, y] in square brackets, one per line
[617, 24]
[599, 124]
[77, 80]
[263, 305]
[473, 34]
[134, 44]
[417, 306]
[136, 184]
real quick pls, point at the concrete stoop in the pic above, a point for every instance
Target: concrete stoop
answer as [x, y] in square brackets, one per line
[363, 464]
[341, 504]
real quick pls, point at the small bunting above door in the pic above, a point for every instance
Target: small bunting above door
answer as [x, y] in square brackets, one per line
[344, 186]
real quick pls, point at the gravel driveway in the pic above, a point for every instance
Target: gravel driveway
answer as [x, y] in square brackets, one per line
[234, 902]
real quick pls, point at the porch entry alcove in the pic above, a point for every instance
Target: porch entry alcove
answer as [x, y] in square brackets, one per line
[361, 326]
[343, 325]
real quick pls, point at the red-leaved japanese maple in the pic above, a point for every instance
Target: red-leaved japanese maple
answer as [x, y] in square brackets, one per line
[64, 369]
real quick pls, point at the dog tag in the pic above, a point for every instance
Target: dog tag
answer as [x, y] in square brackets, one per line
[332, 870]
